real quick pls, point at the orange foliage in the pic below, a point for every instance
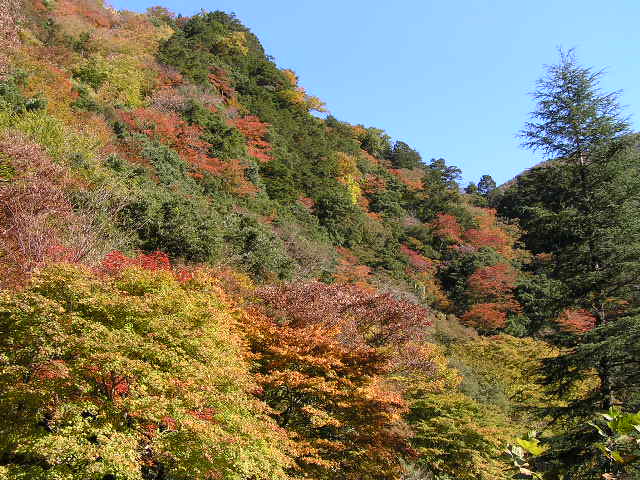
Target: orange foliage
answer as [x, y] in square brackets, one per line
[489, 233]
[254, 130]
[486, 316]
[349, 270]
[333, 400]
[411, 178]
[170, 130]
[219, 79]
[307, 202]
[373, 183]
[168, 77]
[356, 317]
[91, 10]
[114, 262]
[492, 287]
[496, 281]
[576, 321]
[447, 227]
[54, 84]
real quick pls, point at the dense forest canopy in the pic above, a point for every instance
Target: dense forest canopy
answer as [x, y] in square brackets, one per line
[200, 278]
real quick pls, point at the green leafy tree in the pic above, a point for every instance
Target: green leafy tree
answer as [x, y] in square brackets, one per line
[129, 374]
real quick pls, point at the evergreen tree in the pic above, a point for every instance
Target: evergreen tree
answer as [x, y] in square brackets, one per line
[486, 185]
[403, 156]
[595, 245]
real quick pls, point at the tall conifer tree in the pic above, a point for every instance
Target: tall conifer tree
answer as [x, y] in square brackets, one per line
[593, 233]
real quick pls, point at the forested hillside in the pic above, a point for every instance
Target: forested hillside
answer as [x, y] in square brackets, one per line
[205, 275]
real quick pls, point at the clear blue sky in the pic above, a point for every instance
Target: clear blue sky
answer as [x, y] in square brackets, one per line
[450, 78]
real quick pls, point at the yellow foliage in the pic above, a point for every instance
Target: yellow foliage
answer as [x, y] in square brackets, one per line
[352, 186]
[235, 42]
[166, 356]
[294, 96]
[59, 140]
[512, 363]
[126, 81]
[291, 76]
[298, 95]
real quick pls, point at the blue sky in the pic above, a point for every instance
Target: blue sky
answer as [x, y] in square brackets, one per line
[450, 78]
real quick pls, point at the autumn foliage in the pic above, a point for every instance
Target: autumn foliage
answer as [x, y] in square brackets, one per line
[576, 321]
[170, 130]
[255, 130]
[356, 317]
[158, 173]
[490, 234]
[495, 281]
[38, 223]
[492, 288]
[345, 421]
[447, 227]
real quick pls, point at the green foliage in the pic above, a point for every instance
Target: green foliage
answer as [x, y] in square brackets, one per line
[458, 437]
[441, 187]
[260, 252]
[130, 377]
[376, 142]
[174, 218]
[11, 98]
[584, 216]
[403, 156]
[127, 373]
[226, 141]
[486, 185]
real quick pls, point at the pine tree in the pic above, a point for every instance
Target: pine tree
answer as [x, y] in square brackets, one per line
[486, 185]
[594, 237]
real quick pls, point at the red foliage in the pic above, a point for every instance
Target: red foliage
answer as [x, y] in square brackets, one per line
[332, 399]
[349, 270]
[219, 79]
[170, 130]
[254, 130]
[208, 414]
[447, 227]
[489, 233]
[417, 261]
[113, 385]
[10, 16]
[115, 262]
[487, 237]
[492, 287]
[91, 10]
[486, 316]
[358, 317]
[53, 370]
[411, 178]
[307, 202]
[37, 220]
[373, 183]
[496, 281]
[576, 321]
